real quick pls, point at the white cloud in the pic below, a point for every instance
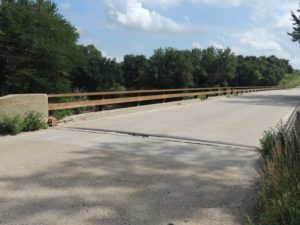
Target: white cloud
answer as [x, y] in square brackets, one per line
[272, 21]
[186, 18]
[131, 14]
[115, 57]
[264, 34]
[82, 31]
[66, 5]
[295, 61]
[265, 42]
[196, 45]
[272, 13]
[141, 46]
[217, 44]
[221, 3]
[283, 21]
[161, 3]
[259, 39]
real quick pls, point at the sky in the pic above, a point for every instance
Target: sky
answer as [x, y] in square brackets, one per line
[248, 27]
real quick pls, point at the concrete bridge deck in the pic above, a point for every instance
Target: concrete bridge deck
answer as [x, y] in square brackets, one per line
[89, 175]
[233, 121]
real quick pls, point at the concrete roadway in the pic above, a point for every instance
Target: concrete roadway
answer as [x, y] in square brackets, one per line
[86, 176]
[235, 120]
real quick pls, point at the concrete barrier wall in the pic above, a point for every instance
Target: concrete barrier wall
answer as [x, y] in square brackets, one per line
[23, 103]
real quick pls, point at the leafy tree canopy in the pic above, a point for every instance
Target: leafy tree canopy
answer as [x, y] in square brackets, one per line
[39, 53]
[36, 45]
[296, 22]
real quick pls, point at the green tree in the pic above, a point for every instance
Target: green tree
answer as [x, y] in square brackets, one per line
[170, 68]
[296, 29]
[226, 67]
[248, 73]
[209, 63]
[257, 71]
[87, 72]
[93, 72]
[220, 65]
[113, 78]
[134, 69]
[37, 47]
[200, 75]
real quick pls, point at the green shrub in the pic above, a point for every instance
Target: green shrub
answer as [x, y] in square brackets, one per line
[16, 124]
[290, 80]
[60, 114]
[202, 97]
[116, 87]
[267, 144]
[33, 121]
[11, 124]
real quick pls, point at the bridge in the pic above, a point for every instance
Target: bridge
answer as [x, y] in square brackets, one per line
[184, 162]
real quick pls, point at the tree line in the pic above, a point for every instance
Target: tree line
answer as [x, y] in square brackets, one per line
[39, 53]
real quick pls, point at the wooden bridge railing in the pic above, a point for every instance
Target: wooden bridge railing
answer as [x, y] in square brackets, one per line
[110, 98]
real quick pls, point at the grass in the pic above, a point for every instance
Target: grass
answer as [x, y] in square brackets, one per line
[60, 114]
[280, 192]
[13, 125]
[291, 80]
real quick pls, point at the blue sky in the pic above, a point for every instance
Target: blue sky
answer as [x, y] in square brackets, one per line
[249, 27]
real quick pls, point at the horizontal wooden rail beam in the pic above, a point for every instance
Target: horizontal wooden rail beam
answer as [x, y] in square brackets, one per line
[111, 101]
[144, 91]
[70, 105]
[128, 92]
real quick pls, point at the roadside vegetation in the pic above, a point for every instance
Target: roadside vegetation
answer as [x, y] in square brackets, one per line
[15, 124]
[291, 80]
[280, 191]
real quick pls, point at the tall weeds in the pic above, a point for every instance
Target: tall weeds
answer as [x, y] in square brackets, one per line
[280, 192]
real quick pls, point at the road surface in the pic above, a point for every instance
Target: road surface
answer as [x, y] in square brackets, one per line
[83, 173]
[236, 120]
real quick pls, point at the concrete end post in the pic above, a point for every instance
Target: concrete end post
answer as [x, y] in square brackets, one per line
[22, 103]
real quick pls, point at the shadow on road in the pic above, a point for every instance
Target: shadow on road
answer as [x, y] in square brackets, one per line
[271, 100]
[177, 184]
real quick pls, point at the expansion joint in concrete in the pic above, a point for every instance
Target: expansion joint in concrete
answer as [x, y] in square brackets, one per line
[166, 138]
